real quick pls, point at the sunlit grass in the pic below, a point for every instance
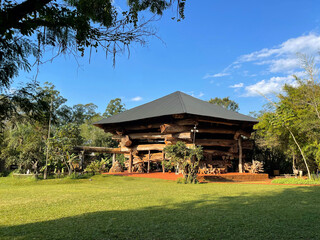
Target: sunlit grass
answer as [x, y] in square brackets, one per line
[297, 181]
[114, 207]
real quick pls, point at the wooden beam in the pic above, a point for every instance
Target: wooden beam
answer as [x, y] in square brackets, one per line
[173, 128]
[218, 122]
[182, 135]
[151, 157]
[240, 155]
[188, 121]
[125, 141]
[218, 152]
[99, 149]
[216, 142]
[216, 131]
[151, 136]
[147, 147]
[142, 127]
[154, 136]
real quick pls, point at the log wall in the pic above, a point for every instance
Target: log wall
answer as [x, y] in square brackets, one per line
[146, 139]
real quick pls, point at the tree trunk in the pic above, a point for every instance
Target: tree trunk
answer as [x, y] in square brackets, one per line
[304, 158]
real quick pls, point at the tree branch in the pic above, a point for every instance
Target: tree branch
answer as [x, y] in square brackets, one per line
[11, 17]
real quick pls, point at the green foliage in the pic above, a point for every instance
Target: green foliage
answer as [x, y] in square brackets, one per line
[70, 26]
[97, 166]
[225, 103]
[312, 152]
[187, 159]
[24, 132]
[61, 144]
[292, 124]
[24, 146]
[82, 113]
[94, 136]
[114, 107]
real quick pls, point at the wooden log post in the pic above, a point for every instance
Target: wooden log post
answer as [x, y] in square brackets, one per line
[240, 154]
[125, 141]
[163, 159]
[113, 158]
[81, 160]
[130, 162]
[148, 162]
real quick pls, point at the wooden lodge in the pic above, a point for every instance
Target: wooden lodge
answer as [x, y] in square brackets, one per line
[144, 131]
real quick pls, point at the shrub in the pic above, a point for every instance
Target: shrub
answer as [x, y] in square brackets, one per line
[96, 166]
[187, 159]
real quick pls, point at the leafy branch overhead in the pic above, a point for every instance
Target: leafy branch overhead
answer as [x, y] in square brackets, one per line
[71, 26]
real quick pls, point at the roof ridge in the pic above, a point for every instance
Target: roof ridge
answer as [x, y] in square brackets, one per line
[182, 103]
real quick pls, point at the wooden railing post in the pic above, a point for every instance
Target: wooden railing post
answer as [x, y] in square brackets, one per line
[240, 154]
[148, 162]
[113, 158]
[163, 159]
[130, 162]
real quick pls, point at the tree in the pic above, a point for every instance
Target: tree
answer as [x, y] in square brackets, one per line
[293, 122]
[62, 142]
[93, 136]
[225, 103]
[84, 112]
[24, 146]
[29, 27]
[24, 124]
[114, 107]
[187, 159]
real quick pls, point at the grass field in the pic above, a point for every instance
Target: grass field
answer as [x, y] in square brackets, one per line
[297, 181]
[114, 207]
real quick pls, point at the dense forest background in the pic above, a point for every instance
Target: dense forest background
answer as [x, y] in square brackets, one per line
[26, 141]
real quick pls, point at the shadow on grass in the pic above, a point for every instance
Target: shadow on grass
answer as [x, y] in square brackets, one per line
[291, 214]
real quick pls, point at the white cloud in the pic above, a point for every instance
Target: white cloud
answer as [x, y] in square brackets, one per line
[271, 67]
[283, 58]
[272, 85]
[222, 74]
[238, 85]
[278, 59]
[192, 93]
[136, 99]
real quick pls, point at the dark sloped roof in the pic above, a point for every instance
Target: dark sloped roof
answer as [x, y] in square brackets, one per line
[175, 103]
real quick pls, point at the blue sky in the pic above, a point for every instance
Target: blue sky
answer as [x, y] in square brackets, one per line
[222, 48]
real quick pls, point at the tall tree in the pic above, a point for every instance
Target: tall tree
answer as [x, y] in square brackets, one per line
[29, 27]
[225, 103]
[293, 122]
[114, 107]
[84, 112]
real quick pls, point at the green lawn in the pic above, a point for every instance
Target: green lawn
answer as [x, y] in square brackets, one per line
[296, 181]
[111, 207]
